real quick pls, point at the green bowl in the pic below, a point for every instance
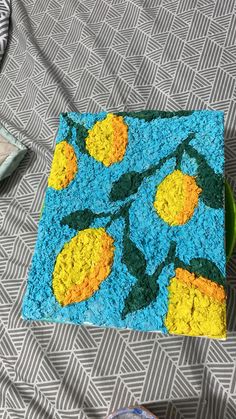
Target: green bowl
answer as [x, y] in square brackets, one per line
[230, 220]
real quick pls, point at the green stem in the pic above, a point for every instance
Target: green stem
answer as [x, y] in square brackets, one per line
[81, 133]
[178, 152]
[121, 212]
[146, 173]
[152, 279]
[195, 154]
[151, 170]
[169, 258]
[69, 121]
[211, 183]
[146, 288]
[69, 135]
[73, 124]
[179, 263]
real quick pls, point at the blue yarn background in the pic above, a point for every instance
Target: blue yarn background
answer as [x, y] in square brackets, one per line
[202, 236]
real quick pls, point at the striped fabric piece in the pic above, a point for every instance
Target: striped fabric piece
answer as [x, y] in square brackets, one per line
[90, 55]
[4, 23]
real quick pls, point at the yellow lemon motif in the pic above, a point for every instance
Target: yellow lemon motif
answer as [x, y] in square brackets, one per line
[197, 306]
[108, 139]
[176, 198]
[64, 166]
[82, 265]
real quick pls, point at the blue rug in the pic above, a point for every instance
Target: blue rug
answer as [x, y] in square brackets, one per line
[132, 230]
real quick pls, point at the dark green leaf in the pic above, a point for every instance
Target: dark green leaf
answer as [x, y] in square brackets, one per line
[207, 269]
[212, 184]
[143, 293]
[127, 185]
[202, 267]
[145, 290]
[133, 258]
[149, 115]
[170, 258]
[81, 134]
[171, 253]
[79, 220]
[180, 264]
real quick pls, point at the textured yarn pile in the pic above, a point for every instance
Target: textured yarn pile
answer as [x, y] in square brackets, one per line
[132, 230]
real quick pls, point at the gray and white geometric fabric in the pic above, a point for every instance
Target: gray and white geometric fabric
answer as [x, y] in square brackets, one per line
[90, 55]
[4, 23]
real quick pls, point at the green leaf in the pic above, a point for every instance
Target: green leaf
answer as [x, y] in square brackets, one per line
[146, 289]
[79, 220]
[211, 183]
[170, 258]
[212, 186]
[127, 185]
[207, 269]
[202, 267]
[180, 264]
[133, 258]
[143, 293]
[81, 134]
[149, 115]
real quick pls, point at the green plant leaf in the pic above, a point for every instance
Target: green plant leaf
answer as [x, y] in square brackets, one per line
[126, 185]
[143, 292]
[81, 134]
[211, 183]
[207, 269]
[129, 183]
[180, 264]
[135, 262]
[79, 220]
[149, 115]
[202, 267]
[212, 186]
[133, 258]
[146, 289]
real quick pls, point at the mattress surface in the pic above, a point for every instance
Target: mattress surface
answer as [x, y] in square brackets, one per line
[89, 56]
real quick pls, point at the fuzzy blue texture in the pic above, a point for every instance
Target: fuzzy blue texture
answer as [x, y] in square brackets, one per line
[202, 236]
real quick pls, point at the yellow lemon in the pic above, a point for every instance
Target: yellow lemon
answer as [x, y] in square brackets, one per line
[197, 306]
[82, 265]
[108, 139]
[176, 198]
[64, 166]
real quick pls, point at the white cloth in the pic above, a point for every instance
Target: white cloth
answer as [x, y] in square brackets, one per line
[4, 24]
